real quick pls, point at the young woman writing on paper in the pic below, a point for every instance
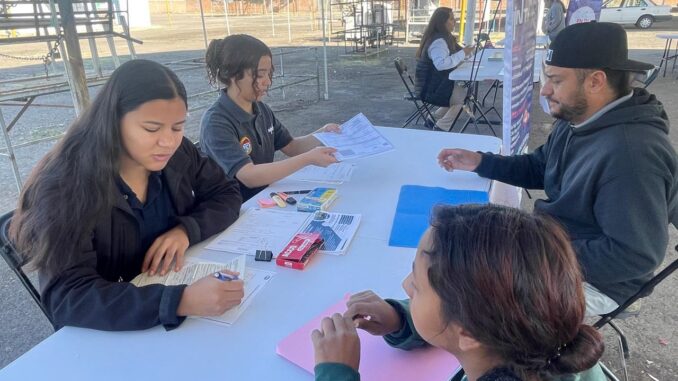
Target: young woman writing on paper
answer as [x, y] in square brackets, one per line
[239, 131]
[122, 193]
[497, 287]
[438, 54]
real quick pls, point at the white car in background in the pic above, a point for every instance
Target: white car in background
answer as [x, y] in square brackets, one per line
[641, 13]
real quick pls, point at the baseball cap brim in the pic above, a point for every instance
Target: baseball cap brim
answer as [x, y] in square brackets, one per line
[631, 65]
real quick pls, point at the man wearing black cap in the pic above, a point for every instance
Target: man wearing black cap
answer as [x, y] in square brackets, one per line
[608, 168]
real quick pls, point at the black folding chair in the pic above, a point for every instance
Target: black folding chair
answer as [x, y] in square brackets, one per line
[621, 313]
[496, 85]
[651, 76]
[423, 110]
[16, 262]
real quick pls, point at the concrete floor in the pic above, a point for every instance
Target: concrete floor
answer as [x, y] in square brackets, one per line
[370, 86]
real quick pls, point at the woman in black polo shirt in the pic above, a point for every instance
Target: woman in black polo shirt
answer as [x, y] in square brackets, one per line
[122, 193]
[239, 131]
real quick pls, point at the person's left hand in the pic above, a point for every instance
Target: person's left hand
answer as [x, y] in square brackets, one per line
[167, 247]
[330, 127]
[337, 341]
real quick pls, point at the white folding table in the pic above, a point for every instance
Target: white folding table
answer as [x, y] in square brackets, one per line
[200, 349]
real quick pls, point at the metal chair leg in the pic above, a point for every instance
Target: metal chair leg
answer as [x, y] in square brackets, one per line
[608, 373]
[622, 357]
[495, 86]
[422, 112]
[624, 354]
[429, 114]
[411, 118]
[622, 339]
[496, 89]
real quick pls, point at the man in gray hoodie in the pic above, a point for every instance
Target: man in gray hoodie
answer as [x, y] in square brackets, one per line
[608, 168]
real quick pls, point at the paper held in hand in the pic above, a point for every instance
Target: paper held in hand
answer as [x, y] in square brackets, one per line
[358, 139]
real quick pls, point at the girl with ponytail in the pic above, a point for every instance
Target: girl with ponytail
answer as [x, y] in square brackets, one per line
[497, 287]
[239, 131]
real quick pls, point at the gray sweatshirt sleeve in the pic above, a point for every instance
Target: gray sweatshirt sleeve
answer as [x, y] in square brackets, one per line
[632, 211]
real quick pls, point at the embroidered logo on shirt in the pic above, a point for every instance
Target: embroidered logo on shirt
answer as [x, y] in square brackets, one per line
[246, 145]
[270, 130]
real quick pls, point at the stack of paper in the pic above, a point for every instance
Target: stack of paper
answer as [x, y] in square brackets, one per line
[259, 229]
[337, 230]
[191, 272]
[333, 174]
[270, 229]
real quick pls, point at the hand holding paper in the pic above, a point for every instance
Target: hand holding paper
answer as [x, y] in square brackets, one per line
[330, 127]
[358, 139]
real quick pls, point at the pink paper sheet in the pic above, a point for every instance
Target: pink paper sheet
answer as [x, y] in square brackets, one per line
[378, 361]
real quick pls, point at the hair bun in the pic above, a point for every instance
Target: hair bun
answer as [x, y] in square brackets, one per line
[582, 353]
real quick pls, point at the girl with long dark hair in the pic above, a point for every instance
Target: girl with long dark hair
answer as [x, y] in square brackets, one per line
[497, 287]
[438, 54]
[123, 192]
[239, 131]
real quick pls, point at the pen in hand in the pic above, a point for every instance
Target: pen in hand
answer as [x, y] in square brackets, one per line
[225, 277]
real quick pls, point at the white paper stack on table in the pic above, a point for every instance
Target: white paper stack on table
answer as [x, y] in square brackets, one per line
[270, 229]
[337, 173]
[358, 139]
[194, 269]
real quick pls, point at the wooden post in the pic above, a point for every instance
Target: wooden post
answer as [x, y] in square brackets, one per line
[204, 28]
[78, 79]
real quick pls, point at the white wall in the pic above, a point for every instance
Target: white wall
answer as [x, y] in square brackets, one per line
[139, 14]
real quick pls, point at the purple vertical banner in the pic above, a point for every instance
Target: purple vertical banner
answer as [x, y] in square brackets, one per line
[519, 51]
[580, 11]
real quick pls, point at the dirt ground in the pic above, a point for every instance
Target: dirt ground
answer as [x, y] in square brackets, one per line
[356, 84]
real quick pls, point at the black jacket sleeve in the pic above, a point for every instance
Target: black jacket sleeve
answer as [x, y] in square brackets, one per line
[217, 198]
[79, 296]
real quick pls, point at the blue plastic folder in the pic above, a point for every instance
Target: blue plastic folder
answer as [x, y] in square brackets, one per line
[413, 212]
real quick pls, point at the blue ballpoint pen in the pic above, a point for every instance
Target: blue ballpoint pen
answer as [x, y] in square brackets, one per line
[225, 277]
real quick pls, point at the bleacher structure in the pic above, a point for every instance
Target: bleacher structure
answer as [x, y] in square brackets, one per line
[369, 26]
[41, 21]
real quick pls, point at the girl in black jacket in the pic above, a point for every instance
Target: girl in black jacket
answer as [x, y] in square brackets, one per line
[123, 193]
